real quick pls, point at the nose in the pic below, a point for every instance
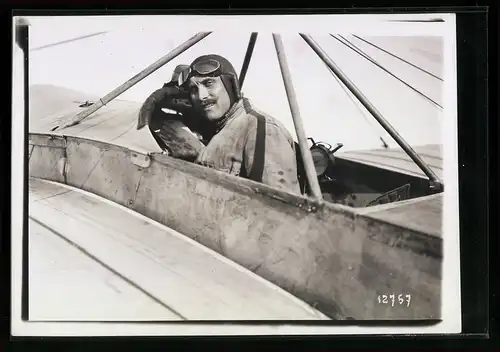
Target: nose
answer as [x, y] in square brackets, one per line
[202, 93]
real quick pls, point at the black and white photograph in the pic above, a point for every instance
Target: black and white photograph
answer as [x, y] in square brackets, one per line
[278, 173]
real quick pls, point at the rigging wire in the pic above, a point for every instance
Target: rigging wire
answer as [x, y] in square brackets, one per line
[360, 109]
[69, 40]
[366, 56]
[398, 57]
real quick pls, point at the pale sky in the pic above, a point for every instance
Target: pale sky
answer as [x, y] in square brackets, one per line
[98, 64]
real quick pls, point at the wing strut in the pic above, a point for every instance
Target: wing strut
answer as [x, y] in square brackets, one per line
[136, 79]
[248, 57]
[435, 182]
[312, 177]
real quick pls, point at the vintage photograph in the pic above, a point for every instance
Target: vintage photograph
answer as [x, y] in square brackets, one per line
[226, 172]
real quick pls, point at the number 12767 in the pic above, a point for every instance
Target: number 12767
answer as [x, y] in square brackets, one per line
[393, 299]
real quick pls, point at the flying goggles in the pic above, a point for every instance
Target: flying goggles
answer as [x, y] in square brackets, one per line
[209, 67]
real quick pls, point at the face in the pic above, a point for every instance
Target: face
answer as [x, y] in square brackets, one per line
[209, 96]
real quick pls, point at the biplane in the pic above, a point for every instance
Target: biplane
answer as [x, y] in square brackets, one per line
[114, 216]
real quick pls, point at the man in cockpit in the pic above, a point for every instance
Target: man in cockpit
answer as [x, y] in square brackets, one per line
[240, 139]
[246, 141]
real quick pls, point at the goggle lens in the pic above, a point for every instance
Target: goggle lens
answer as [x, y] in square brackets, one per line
[205, 67]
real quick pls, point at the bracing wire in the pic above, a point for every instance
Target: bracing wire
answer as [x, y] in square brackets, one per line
[68, 41]
[359, 108]
[398, 57]
[357, 50]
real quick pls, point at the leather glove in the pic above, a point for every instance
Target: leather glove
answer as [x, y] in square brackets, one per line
[169, 96]
[178, 140]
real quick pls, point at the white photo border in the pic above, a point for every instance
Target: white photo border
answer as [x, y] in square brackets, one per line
[358, 24]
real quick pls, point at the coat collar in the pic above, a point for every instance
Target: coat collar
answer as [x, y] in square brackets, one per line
[233, 111]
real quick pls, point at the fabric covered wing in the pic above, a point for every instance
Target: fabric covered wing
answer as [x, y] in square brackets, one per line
[121, 256]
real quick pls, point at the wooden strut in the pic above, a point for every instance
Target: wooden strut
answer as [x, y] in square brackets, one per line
[136, 79]
[435, 182]
[297, 120]
[248, 57]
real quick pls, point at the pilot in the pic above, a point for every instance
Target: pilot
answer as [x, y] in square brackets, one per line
[243, 141]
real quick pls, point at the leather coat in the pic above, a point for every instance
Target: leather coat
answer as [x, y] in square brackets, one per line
[251, 144]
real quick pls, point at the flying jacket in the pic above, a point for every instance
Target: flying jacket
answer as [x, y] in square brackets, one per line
[251, 144]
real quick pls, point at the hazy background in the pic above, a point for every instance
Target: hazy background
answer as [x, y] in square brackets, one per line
[100, 63]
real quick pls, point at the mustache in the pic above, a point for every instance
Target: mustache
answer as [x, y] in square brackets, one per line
[208, 102]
